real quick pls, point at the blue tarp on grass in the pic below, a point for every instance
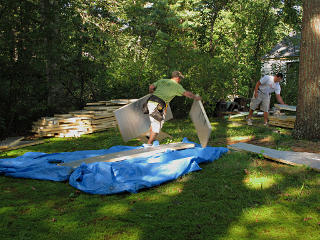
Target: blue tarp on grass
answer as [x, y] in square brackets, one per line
[110, 177]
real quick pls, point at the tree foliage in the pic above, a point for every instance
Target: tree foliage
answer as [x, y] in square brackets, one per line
[57, 55]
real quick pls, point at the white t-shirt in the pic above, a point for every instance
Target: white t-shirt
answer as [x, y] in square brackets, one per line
[268, 85]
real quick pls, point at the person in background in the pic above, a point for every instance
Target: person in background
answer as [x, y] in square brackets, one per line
[262, 94]
[163, 91]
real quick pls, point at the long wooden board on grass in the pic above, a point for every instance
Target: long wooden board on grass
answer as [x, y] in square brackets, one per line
[23, 144]
[125, 155]
[9, 142]
[311, 160]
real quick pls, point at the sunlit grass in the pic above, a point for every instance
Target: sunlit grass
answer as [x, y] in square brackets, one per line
[274, 222]
[114, 209]
[259, 182]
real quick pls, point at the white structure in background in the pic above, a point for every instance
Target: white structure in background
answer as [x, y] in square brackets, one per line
[283, 56]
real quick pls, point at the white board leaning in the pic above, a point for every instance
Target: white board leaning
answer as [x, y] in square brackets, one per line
[201, 122]
[132, 121]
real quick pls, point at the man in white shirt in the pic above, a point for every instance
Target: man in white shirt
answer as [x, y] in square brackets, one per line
[262, 93]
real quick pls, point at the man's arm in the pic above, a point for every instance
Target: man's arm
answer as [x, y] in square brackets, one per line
[279, 99]
[256, 89]
[151, 88]
[191, 95]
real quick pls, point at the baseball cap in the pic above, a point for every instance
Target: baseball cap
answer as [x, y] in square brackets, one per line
[177, 74]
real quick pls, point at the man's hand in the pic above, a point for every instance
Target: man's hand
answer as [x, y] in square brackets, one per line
[151, 88]
[191, 95]
[198, 98]
[279, 99]
[256, 89]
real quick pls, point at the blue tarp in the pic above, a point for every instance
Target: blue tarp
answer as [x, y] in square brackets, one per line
[110, 177]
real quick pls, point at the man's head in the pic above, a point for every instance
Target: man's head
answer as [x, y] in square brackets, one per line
[176, 75]
[278, 77]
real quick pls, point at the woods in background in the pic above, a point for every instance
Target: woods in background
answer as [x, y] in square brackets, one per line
[57, 55]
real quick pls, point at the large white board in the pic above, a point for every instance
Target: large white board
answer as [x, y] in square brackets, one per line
[132, 121]
[130, 154]
[292, 158]
[201, 122]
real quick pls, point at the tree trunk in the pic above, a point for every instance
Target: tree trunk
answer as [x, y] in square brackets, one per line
[258, 48]
[307, 124]
[55, 89]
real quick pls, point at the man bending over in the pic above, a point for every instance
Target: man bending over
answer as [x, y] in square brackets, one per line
[262, 94]
[163, 91]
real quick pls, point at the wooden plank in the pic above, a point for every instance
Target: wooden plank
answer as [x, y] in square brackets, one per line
[281, 125]
[103, 121]
[9, 142]
[286, 107]
[130, 154]
[282, 121]
[242, 114]
[97, 108]
[288, 125]
[59, 116]
[292, 158]
[62, 128]
[23, 144]
[99, 116]
[120, 101]
[96, 103]
[283, 118]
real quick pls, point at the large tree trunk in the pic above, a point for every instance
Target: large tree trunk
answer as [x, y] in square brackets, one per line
[307, 125]
[50, 28]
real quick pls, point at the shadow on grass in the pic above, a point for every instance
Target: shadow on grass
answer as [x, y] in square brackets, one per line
[236, 197]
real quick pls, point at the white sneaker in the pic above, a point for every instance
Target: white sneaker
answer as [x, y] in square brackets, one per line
[265, 124]
[146, 145]
[249, 122]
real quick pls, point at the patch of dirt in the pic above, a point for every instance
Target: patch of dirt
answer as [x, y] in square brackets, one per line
[264, 142]
[297, 146]
[306, 146]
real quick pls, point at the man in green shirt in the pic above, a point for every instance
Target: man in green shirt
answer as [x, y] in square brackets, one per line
[163, 91]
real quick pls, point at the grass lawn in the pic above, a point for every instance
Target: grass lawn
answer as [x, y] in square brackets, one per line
[239, 196]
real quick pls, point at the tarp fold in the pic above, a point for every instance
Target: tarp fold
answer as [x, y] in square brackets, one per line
[111, 177]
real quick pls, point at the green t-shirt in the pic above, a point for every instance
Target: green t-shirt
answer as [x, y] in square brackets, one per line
[167, 89]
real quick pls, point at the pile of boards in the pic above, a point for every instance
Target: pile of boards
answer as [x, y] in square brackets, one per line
[282, 121]
[94, 117]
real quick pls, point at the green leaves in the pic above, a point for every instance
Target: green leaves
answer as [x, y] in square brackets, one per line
[72, 52]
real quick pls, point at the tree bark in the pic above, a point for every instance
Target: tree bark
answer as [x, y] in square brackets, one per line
[307, 124]
[55, 89]
[261, 39]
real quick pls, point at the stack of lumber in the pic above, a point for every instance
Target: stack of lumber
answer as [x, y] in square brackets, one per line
[94, 117]
[282, 121]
